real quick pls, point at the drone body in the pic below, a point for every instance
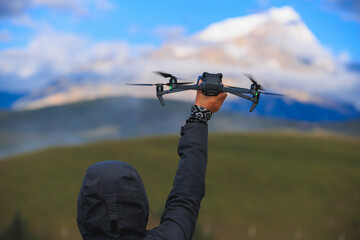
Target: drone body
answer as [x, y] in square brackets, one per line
[211, 85]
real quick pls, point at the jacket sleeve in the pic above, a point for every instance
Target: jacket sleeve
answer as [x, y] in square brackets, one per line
[183, 203]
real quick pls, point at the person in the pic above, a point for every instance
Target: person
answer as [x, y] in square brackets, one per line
[113, 204]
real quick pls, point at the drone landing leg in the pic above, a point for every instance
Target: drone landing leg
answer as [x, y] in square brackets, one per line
[161, 100]
[253, 107]
[255, 102]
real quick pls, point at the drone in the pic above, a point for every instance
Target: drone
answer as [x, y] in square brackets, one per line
[211, 85]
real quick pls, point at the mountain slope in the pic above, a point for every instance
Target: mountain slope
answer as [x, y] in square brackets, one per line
[7, 99]
[291, 109]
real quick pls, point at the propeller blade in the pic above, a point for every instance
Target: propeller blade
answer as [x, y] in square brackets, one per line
[178, 83]
[249, 76]
[165, 75]
[274, 94]
[183, 83]
[261, 88]
[155, 84]
[141, 84]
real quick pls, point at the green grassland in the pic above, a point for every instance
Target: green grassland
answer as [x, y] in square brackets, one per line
[259, 185]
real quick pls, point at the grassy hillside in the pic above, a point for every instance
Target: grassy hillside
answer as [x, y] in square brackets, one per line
[259, 186]
[125, 117]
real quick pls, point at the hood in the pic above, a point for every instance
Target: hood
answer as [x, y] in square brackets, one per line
[112, 202]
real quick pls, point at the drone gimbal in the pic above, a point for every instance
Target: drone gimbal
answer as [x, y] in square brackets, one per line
[211, 85]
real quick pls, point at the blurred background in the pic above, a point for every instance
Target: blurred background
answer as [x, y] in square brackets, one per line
[288, 170]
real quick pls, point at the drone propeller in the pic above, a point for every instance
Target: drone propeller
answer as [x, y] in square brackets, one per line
[251, 78]
[261, 87]
[274, 94]
[156, 84]
[166, 75]
[181, 83]
[141, 84]
[173, 79]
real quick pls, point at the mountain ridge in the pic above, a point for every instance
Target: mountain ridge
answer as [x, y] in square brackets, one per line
[227, 29]
[128, 117]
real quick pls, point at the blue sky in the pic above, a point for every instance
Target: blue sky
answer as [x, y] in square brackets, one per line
[336, 23]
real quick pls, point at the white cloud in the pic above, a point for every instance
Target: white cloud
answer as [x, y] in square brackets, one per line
[170, 33]
[26, 21]
[263, 3]
[5, 36]
[344, 57]
[53, 54]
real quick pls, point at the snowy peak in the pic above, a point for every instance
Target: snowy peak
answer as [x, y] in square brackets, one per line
[283, 15]
[276, 39]
[241, 26]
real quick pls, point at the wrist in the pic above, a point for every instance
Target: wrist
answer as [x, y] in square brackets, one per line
[199, 114]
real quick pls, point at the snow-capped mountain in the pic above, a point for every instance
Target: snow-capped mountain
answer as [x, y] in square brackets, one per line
[229, 29]
[275, 46]
[274, 40]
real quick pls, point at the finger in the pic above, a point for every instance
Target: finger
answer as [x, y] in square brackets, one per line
[222, 96]
[199, 91]
[218, 105]
[220, 101]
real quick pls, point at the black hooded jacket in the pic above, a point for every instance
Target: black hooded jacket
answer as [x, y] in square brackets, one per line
[112, 202]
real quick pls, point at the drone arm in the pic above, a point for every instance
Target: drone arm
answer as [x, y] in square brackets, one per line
[159, 94]
[236, 90]
[243, 96]
[187, 87]
[172, 91]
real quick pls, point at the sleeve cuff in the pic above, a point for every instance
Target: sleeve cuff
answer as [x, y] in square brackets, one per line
[199, 114]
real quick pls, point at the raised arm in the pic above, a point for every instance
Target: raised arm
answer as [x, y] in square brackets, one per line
[183, 203]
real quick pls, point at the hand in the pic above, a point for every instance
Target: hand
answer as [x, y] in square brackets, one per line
[211, 103]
